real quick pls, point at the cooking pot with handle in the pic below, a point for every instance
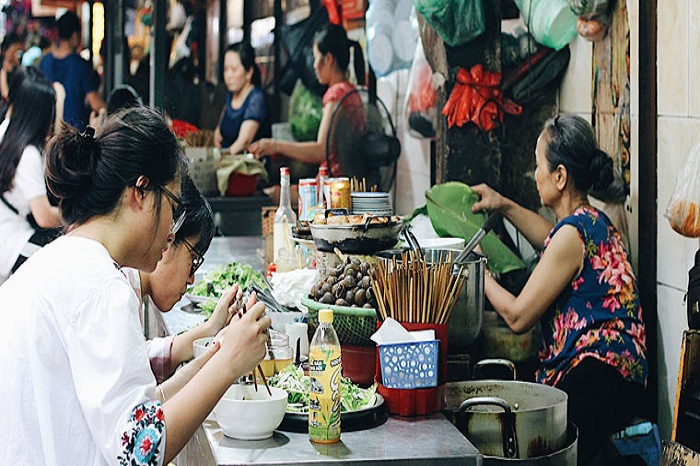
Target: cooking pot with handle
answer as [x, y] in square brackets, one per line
[511, 419]
[357, 238]
[464, 325]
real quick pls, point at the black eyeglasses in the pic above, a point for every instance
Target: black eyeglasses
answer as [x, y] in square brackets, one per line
[177, 222]
[197, 258]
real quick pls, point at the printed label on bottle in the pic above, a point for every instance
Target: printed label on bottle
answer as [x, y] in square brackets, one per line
[324, 397]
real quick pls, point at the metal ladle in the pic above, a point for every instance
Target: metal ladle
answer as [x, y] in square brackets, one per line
[478, 236]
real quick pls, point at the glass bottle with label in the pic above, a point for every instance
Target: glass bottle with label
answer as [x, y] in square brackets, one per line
[325, 370]
[285, 217]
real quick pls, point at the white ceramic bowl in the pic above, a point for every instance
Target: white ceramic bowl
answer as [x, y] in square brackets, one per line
[243, 413]
[441, 243]
[201, 345]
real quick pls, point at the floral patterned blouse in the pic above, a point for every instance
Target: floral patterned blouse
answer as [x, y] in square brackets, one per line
[598, 314]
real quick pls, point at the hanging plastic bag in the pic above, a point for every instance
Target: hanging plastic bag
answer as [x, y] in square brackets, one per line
[421, 98]
[683, 210]
[551, 22]
[456, 21]
[392, 33]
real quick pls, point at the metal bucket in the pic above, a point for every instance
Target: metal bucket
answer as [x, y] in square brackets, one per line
[464, 325]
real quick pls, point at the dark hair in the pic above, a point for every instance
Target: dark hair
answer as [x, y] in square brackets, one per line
[572, 143]
[121, 97]
[11, 38]
[333, 39]
[246, 53]
[33, 101]
[199, 219]
[68, 24]
[89, 175]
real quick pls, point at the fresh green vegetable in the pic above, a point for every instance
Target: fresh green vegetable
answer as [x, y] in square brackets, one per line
[292, 380]
[449, 209]
[305, 112]
[222, 278]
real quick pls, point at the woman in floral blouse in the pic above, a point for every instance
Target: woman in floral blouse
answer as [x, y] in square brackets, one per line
[583, 290]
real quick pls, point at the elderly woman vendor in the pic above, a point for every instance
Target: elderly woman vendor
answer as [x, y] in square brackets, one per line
[582, 291]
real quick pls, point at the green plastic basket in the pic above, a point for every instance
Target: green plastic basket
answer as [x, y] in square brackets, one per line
[354, 325]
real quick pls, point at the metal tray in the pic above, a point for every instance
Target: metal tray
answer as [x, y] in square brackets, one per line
[350, 421]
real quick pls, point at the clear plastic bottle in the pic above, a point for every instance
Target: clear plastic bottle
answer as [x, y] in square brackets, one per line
[285, 217]
[320, 178]
[325, 370]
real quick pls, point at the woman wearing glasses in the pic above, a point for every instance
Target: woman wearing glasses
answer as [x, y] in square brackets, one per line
[161, 289]
[80, 388]
[583, 290]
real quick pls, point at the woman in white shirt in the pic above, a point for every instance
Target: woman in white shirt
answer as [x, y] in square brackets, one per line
[23, 132]
[78, 386]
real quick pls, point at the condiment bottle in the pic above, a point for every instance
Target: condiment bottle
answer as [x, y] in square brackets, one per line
[285, 217]
[324, 371]
[320, 179]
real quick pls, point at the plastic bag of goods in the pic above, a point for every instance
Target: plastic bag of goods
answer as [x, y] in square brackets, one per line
[551, 22]
[683, 210]
[421, 98]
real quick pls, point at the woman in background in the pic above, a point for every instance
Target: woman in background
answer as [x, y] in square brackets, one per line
[25, 204]
[244, 116]
[582, 291]
[82, 386]
[331, 51]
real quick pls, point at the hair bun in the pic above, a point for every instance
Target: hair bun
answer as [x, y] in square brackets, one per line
[70, 160]
[601, 170]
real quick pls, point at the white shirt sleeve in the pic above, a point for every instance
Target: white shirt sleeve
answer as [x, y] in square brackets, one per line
[112, 376]
[29, 177]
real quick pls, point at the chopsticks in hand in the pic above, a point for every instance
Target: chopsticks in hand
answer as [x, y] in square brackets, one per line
[242, 310]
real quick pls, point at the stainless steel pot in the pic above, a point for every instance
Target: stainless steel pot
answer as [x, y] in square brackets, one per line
[358, 238]
[510, 419]
[464, 325]
[567, 456]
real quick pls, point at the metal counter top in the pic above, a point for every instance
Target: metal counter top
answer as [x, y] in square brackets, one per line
[399, 441]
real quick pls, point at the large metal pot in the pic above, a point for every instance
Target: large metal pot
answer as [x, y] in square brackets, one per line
[357, 238]
[510, 419]
[464, 325]
[567, 456]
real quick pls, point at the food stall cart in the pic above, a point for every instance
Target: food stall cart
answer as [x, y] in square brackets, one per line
[421, 440]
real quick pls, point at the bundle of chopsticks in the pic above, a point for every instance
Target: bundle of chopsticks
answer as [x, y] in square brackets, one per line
[360, 185]
[411, 290]
[242, 310]
[201, 138]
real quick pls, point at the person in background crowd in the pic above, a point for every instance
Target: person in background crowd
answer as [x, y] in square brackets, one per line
[244, 115]
[63, 65]
[12, 47]
[583, 290]
[81, 386]
[122, 97]
[34, 54]
[331, 59]
[25, 204]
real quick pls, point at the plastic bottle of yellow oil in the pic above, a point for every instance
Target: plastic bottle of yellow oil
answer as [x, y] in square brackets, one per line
[325, 371]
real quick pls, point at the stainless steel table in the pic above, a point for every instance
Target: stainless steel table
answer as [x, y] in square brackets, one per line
[400, 441]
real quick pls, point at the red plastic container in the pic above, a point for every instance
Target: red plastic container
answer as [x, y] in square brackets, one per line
[241, 185]
[357, 364]
[417, 401]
